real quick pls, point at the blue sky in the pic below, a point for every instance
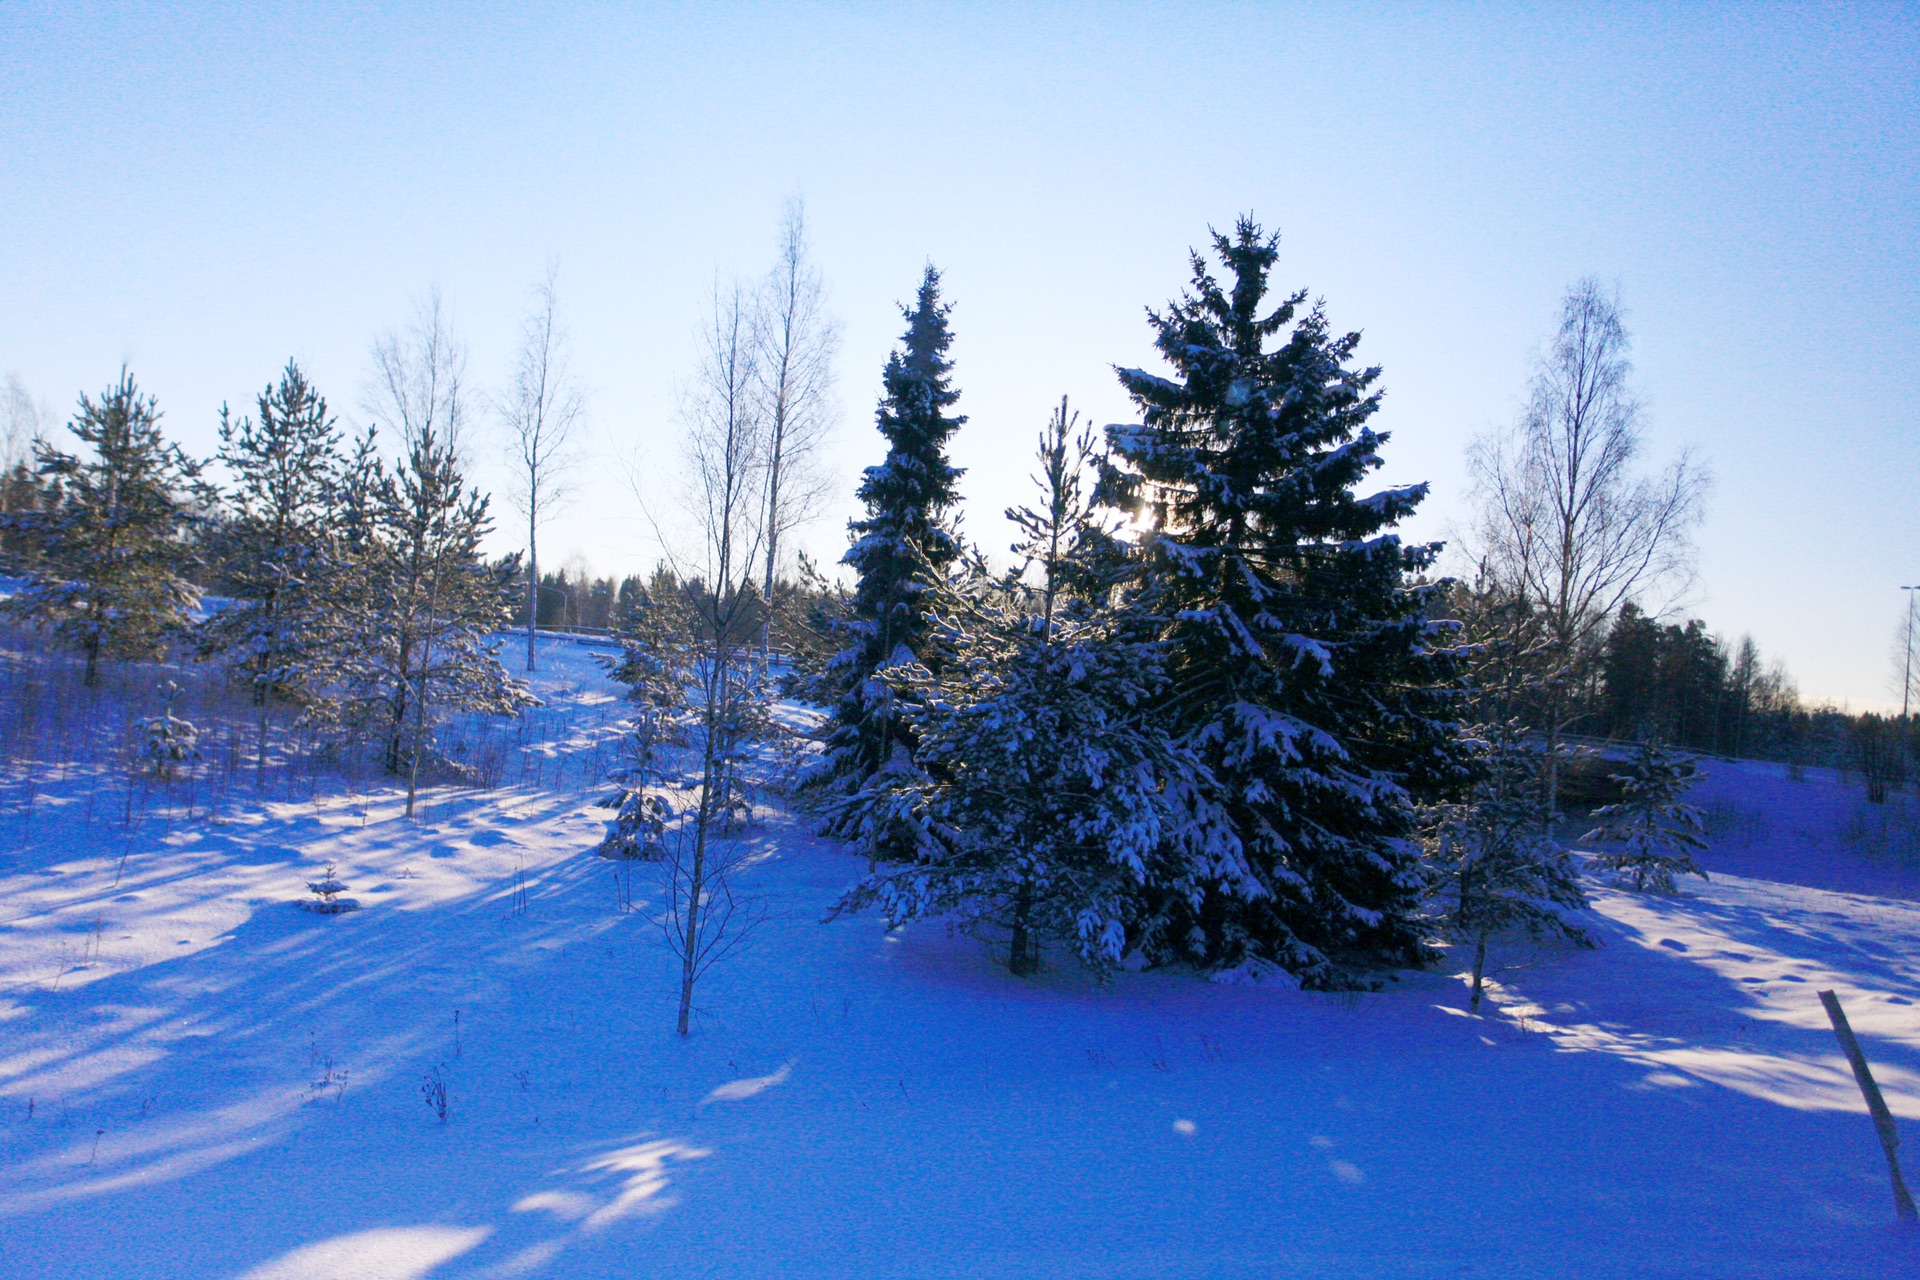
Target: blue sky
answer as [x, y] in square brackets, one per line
[204, 191]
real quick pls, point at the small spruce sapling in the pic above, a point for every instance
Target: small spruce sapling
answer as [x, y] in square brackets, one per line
[654, 665]
[1659, 833]
[1496, 870]
[639, 828]
[326, 891]
[165, 739]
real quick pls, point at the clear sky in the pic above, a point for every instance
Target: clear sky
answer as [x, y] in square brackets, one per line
[204, 191]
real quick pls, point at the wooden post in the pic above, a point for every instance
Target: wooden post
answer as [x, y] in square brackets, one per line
[1876, 1105]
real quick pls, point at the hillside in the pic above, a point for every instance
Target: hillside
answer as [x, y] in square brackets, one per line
[200, 1079]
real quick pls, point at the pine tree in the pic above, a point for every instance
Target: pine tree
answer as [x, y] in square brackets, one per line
[1045, 802]
[424, 605]
[900, 550]
[1658, 832]
[1305, 671]
[109, 570]
[286, 478]
[1496, 870]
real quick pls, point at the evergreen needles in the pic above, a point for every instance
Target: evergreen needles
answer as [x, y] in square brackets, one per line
[1658, 834]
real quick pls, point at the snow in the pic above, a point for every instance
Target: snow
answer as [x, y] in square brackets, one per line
[199, 1079]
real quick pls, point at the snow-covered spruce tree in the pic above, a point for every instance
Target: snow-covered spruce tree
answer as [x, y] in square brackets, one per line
[655, 662]
[1658, 834]
[166, 740]
[1495, 869]
[285, 470]
[25, 498]
[108, 575]
[1047, 800]
[903, 546]
[656, 651]
[1304, 669]
[424, 606]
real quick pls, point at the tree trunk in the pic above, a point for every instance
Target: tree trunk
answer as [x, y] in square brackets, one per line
[696, 878]
[773, 539]
[1479, 969]
[1023, 953]
[533, 589]
[399, 705]
[1553, 730]
[260, 752]
[419, 721]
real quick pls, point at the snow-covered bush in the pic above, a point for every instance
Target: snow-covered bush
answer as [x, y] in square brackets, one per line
[654, 663]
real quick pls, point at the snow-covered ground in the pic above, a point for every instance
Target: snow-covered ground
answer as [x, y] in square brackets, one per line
[199, 1079]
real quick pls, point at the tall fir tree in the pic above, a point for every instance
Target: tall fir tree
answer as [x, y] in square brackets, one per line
[903, 547]
[285, 469]
[111, 552]
[1304, 668]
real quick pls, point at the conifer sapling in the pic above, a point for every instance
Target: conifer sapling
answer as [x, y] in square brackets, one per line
[1657, 833]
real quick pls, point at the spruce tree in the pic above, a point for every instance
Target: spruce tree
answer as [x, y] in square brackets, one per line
[1046, 802]
[25, 500]
[655, 663]
[1304, 669]
[1496, 870]
[903, 547]
[108, 574]
[285, 469]
[1656, 831]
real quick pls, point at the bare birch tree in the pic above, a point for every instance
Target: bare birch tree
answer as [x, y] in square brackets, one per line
[1906, 655]
[542, 410]
[417, 380]
[1567, 522]
[723, 418]
[795, 344]
[426, 602]
[22, 420]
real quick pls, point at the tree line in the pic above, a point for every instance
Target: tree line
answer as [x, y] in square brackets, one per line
[357, 592]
